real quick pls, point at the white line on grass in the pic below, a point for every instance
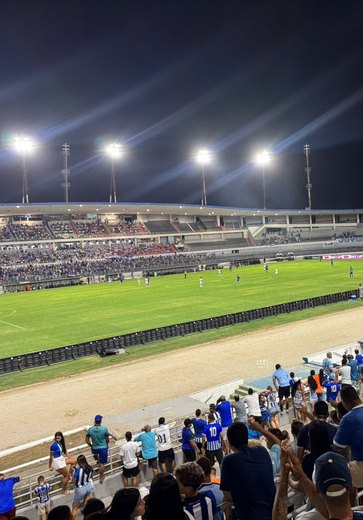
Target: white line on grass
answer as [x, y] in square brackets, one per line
[11, 324]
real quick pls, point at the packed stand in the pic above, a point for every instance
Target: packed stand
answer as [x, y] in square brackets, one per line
[5, 233]
[31, 232]
[44, 264]
[90, 228]
[128, 228]
[62, 229]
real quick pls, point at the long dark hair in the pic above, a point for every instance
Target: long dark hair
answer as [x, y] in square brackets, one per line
[123, 504]
[164, 500]
[321, 376]
[319, 438]
[62, 442]
[83, 464]
[311, 381]
[295, 388]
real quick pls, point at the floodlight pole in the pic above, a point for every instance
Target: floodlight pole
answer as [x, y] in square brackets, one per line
[264, 187]
[113, 196]
[204, 189]
[25, 198]
[66, 152]
[308, 173]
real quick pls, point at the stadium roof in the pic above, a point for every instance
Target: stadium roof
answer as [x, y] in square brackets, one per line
[131, 208]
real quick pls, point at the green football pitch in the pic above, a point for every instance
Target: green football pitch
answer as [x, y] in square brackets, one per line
[32, 321]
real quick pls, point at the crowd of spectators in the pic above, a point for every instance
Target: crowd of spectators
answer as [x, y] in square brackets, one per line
[128, 228]
[5, 233]
[31, 231]
[264, 471]
[282, 237]
[62, 228]
[36, 264]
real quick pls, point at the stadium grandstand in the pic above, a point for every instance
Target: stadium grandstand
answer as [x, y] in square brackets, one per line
[295, 417]
[56, 241]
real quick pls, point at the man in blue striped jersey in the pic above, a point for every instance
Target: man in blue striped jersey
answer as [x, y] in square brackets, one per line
[213, 441]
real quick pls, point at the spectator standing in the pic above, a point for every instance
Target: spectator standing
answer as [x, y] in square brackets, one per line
[319, 444]
[298, 398]
[7, 503]
[328, 363]
[253, 405]
[213, 441]
[83, 485]
[148, 447]
[345, 373]
[350, 432]
[43, 499]
[247, 477]
[239, 408]
[97, 438]
[198, 424]
[273, 407]
[166, 453]
[214, 411]
[129, 456]
[354, 371]
[281, 381]
[189, 447]
[57, 460]
[332, 388]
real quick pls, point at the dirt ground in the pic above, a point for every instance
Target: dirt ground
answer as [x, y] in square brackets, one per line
[35, 412]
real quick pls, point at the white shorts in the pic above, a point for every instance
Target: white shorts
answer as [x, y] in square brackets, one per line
[59, 463]
[356, 469]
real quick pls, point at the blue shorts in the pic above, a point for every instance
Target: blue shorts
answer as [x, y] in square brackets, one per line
[100, 454]
[83, 492]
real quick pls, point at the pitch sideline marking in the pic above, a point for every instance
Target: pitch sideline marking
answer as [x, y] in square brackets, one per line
[11, 324]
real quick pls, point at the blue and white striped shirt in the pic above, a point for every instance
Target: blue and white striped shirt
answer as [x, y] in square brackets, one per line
[213, 434]
[81, 478]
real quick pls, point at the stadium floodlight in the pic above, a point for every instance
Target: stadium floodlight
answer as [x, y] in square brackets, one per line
[24, 146]
[263, 158]
[115, 152]
[203, 157]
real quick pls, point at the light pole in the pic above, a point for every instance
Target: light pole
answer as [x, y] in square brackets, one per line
[262, 159]
[66, 152]
[114, 151]
[24, 146]
[203, 157]
[308, 174]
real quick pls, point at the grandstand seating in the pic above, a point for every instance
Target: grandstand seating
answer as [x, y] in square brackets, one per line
[5, 233]
[62, 229]
[90, 228]
[30, 231]
[160, 226]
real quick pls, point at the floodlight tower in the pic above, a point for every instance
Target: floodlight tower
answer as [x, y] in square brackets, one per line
[308, 173]
[24, 146]
[203, 157]
[114, 151]
[66, 152]
[263, 158]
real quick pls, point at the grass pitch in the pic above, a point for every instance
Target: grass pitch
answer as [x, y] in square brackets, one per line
[46, 319]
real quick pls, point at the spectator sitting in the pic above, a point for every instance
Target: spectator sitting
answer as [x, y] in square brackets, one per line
[127, 504]
[319, 444]
[164, 501]
[208, 485]
[189, 477]
[321, 413]
[60, 513]
[295, 428]
[93, 505]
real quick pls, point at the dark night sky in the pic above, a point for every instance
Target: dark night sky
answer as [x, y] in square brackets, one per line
[165, 77]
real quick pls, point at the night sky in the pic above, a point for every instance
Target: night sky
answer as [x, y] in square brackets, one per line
[168, 77]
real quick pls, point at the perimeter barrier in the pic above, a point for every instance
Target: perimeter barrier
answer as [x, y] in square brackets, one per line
[113, 345]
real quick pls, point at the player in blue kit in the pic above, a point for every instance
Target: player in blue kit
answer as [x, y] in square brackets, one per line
[213, 440]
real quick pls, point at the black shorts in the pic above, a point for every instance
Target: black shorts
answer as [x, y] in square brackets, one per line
[131, 472]
[214, 455]
[152, 463]
[166, 455]
[189, 455]
[284, 392]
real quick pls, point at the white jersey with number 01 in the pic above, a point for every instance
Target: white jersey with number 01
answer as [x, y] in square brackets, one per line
[163, 436]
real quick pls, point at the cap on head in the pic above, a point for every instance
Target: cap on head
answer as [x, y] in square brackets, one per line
[332, 469]
[98, 419]
[331, 377]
